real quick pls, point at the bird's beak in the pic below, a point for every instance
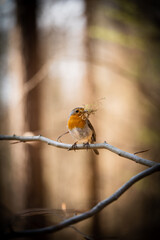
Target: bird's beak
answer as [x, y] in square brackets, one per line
[85, 111]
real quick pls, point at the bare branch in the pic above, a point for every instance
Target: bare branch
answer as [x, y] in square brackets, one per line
[104, 145]
[97, 208]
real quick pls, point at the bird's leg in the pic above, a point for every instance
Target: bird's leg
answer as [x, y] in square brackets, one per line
[73, 147]
[86, 144]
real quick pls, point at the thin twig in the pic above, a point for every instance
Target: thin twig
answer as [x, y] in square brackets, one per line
[62, 135]
[142, 151]
[85, 236]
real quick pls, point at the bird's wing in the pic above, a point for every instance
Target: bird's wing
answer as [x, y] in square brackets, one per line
[93, 131]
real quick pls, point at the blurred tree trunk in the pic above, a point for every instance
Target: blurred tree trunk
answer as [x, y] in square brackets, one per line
[27, 17]
[90, 95]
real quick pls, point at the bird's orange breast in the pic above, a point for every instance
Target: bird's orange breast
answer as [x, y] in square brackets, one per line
[75, 122]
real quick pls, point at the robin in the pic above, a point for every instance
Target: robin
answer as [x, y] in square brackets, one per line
[81, 128]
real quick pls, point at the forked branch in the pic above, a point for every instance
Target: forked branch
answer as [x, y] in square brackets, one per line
[153, 167]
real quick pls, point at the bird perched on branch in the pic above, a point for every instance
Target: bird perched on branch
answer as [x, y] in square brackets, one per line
[80, 127]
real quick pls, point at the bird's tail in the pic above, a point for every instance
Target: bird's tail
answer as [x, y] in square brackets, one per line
[96, 151]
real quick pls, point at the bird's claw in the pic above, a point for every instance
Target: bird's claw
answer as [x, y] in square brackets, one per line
[86, 145]
[73, 147]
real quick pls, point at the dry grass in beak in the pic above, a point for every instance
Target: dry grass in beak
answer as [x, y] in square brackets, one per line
[92, 108]
[89, 109]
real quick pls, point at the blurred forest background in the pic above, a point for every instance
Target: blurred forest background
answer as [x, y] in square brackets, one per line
[56, 55]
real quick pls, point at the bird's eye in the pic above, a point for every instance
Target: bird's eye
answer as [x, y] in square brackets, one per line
[77, 111]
